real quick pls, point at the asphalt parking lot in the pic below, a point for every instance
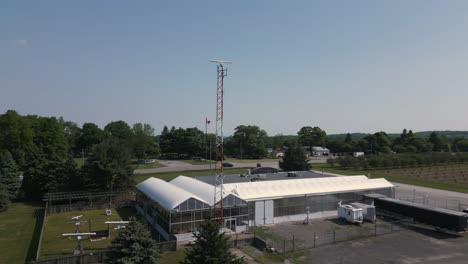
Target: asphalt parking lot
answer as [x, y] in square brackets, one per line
[357, 244]
[406, 247]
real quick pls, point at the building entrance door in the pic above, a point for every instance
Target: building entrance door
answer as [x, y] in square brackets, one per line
[230, 223]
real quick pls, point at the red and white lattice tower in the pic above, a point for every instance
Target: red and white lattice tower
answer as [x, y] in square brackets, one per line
[219, 175]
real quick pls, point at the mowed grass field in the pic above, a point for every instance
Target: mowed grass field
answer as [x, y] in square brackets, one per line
[204, 162]
[54, 244]
[167, 176]
[79, 163]
[452, 177]
[19, 232]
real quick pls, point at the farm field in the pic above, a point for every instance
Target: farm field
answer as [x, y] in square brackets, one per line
[167, 176]
[54, 245]
[453, 177]
[20, 228]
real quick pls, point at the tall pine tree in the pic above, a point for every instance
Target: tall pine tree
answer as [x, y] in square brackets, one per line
[9, 175]
[211, 247]
[133, 245]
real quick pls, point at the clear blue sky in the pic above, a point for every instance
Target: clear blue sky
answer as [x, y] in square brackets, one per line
[345, 66]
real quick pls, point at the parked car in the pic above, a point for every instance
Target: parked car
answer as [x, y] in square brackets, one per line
[227, 164]
[149, 161]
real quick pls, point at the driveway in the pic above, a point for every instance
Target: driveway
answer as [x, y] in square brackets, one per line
[429, 196]
[175, 165]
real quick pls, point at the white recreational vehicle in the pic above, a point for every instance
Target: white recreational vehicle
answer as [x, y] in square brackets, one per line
[350, 213]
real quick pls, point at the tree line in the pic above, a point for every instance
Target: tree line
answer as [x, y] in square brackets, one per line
[42, 151]
[403, 160]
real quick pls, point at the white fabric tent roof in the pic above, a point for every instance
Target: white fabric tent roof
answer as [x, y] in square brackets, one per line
[201, 189]
[170, 194]
[166, 194]
[310, 186]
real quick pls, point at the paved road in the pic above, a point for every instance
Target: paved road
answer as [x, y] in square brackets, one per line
[175, 165]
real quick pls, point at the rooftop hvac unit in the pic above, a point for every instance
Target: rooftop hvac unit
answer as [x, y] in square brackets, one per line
[368, 211]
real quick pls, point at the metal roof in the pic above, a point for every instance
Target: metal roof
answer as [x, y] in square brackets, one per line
[232, 178]
[423, 206]
[309, 186]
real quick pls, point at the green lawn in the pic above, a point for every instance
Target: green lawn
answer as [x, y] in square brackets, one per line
[79, 162]
[204, 162]
[167, 176]
[250, 160]
[54, 245]
[20, 228]
[392, 175]
[149, 166]
[172, 257]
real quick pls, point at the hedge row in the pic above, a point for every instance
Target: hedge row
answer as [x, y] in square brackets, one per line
[399, 160]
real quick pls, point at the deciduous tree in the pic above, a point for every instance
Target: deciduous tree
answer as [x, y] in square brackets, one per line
[16, 135]
[247, 142]
[295, 160]
[108, 167]
[311, 137]
[91, 135]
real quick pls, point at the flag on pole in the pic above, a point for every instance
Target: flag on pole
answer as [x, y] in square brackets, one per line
[207, 122]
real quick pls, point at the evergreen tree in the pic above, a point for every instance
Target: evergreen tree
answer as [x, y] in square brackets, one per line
[211, 247]
[134, 245]
[43, 175]
[4, 199]
[295, 160]
[9, 175]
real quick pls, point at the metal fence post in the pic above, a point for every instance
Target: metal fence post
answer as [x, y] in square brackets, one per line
[315, 239]
[294, 244]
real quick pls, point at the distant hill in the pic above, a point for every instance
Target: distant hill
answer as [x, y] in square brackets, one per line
[354, 135]
[447, 133]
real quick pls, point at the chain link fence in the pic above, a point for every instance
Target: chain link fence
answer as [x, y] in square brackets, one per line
[321, 238]
[425, 198]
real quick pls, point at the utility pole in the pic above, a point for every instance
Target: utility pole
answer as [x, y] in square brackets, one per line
[219, 158]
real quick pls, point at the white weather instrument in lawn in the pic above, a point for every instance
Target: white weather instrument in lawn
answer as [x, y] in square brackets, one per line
[78, 236]
[350, 213]
[120, 224]
[76, 217]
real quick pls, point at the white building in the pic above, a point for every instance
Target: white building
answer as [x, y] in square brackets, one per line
[179, 206]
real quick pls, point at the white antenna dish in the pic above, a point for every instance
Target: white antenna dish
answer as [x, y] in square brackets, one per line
[78, 234]
[221, 62]
[116, 222]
